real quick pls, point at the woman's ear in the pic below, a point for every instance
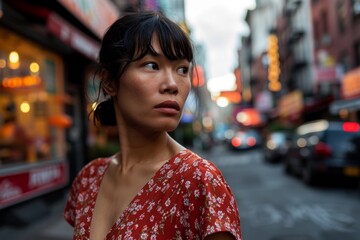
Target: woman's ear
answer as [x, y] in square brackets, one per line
[107, 84]
[109, 88]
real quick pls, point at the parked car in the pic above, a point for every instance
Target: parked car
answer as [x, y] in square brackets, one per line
[325, 149]
[245, 140]
[276, 146]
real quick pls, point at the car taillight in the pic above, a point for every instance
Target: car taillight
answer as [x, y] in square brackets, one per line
[251, 141]
[322, 149]
[351, 127]
[236, 142]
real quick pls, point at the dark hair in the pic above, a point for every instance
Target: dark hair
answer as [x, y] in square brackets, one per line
[129, 39]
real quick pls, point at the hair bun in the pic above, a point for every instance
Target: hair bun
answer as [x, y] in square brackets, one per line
[105, 113]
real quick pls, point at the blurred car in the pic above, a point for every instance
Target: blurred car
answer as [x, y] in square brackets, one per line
[245, 140]
[276, 146]
[323, 149]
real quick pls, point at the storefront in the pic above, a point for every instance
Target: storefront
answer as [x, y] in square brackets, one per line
[348, 108]
[32, 120]
[47, 49]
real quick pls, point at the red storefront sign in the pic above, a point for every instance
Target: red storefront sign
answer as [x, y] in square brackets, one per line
[331, 74]
[28, 183]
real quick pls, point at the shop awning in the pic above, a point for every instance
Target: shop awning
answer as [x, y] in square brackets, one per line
[59, 27]
[73, 37]
[349, 104]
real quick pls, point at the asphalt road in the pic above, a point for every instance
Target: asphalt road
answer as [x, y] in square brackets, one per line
[275, 206]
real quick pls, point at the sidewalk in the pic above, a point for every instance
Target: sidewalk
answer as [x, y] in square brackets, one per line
[51, 227]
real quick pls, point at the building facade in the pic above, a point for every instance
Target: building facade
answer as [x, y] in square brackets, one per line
[48, 50]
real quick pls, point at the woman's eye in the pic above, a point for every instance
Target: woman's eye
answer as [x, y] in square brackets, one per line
[183, 70]
[152, 66]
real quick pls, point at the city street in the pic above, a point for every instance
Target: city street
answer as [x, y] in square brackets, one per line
[272, 205]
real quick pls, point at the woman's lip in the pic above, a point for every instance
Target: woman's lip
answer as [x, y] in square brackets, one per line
[171, 105]
[168, 107]
[169, 111]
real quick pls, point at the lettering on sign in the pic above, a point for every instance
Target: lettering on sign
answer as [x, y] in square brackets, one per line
[43, 176]
[8, 190]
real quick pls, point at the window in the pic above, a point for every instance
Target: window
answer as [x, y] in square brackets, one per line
[324, 23]
[357, 53]
[341, 16]
[356, 8]
[30, 110]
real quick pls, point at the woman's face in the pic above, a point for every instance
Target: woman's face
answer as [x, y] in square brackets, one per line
[152, 92]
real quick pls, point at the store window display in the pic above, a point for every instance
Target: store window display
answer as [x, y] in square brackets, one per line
[13, 139]
[31, 110]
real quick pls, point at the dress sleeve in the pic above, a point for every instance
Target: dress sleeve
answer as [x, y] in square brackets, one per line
[77, 187]
[69, 212]
[219, 212]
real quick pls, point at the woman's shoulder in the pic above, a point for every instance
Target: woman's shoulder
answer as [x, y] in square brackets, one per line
[95, 166]
[197, 163]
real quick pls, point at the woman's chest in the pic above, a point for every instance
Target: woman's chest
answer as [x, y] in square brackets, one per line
[111, 202]
[158, 210]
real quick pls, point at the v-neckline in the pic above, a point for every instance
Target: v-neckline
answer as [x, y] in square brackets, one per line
[128, 210]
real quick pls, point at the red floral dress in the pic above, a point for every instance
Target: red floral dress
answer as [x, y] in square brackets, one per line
[187, 198]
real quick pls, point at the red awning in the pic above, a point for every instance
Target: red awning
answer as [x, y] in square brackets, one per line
[58, 26]
[73, 37]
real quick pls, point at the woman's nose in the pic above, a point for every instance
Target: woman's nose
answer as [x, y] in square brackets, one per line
[169, 84]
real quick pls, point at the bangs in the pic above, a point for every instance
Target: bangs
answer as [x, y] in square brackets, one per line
[174, 43]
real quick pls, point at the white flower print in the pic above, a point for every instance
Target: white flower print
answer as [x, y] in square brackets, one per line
[173, 210]
[151, 205]
[212, 211]
[167, 203]
[208, 176]
[220, 214]
[144, 236]
[197, 174]
[227, 225]
[197, 193]
[170, 174]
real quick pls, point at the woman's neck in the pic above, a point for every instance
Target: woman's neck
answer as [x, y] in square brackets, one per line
[146, 150]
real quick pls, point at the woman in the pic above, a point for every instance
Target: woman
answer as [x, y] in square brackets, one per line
[154, 188]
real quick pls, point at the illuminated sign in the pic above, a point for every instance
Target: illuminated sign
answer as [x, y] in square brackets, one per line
[274, 64]
[351, 84]
[290, 104]
[20, 82]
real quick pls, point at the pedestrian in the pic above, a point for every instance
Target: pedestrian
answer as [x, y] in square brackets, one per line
[153, 188]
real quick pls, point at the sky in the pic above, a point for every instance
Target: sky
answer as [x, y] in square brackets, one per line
[219, 25]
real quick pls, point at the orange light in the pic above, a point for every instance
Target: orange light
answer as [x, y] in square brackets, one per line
[61, 121]
[232, 96]
[237, 74]
[18, 82]
[198, 79]
[274, 64]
